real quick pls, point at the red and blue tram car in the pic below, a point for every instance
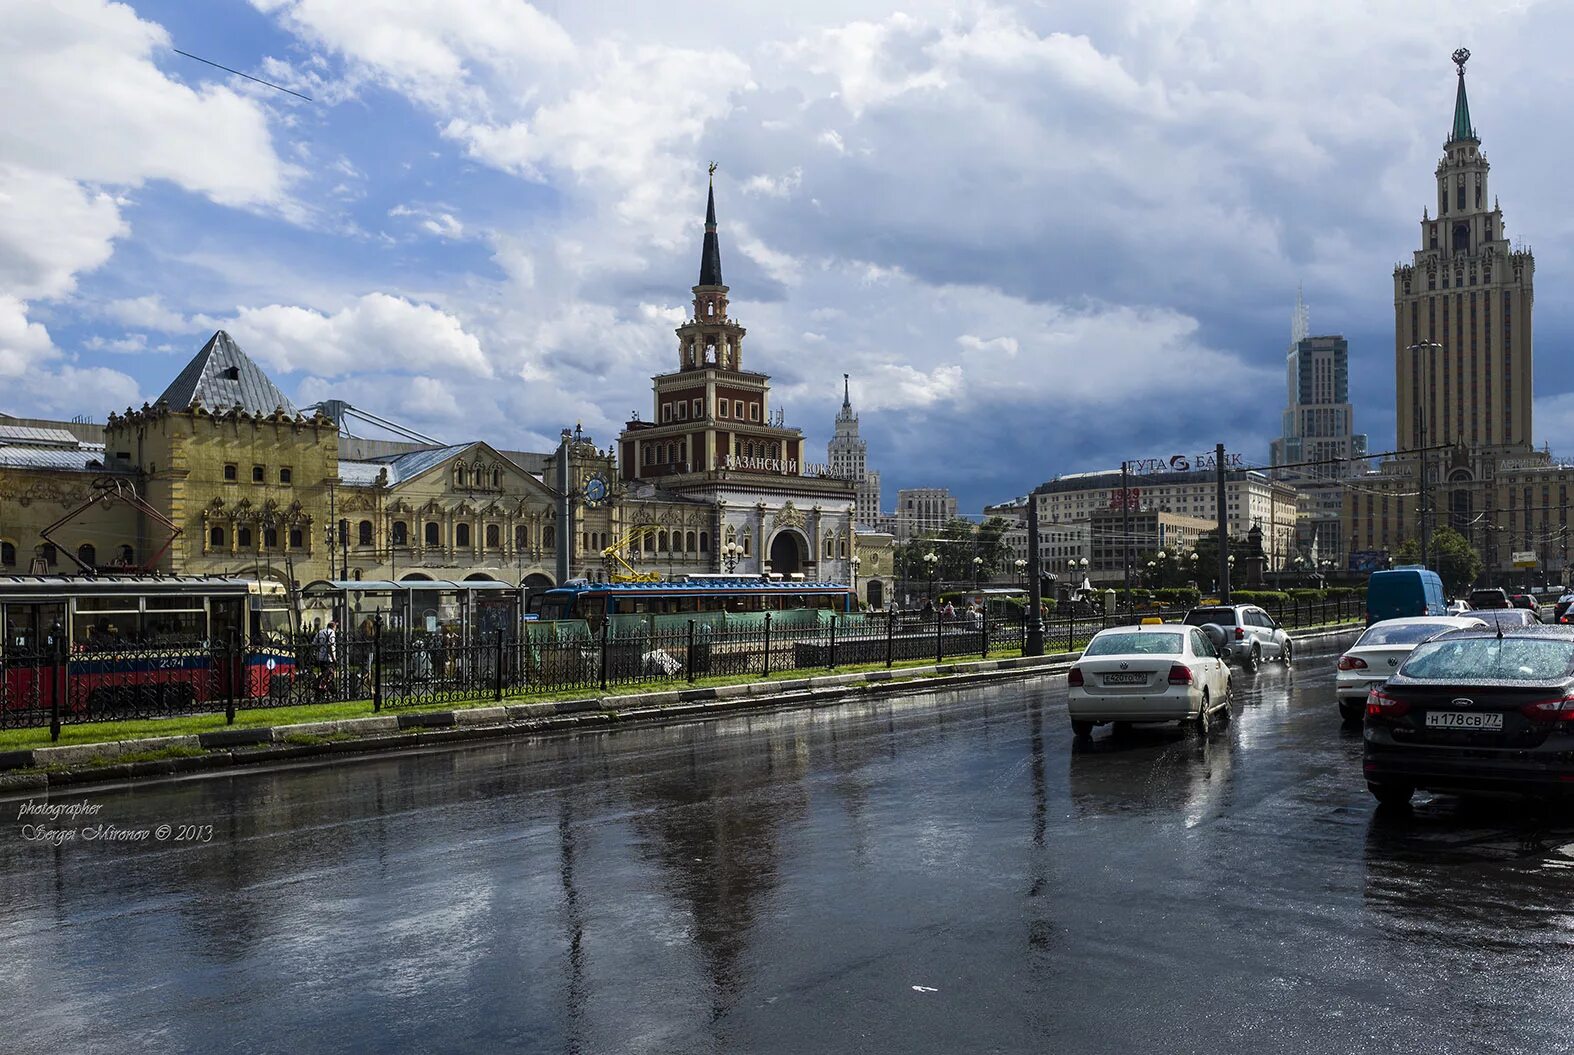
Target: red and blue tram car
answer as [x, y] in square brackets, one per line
[97, 642]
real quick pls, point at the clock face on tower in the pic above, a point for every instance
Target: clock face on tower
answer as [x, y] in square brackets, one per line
[595, 490]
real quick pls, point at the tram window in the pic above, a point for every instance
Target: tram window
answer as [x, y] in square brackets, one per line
[174, 628]
[106, 630]
[226, 620]
[29, 628]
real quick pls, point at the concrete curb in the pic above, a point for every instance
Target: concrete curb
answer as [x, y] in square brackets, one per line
[95, 763]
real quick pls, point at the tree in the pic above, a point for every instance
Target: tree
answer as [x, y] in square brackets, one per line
[1456, 560]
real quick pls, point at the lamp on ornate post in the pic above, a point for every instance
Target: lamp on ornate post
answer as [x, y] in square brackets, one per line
[1021, 566]
[730, 552]
[930, 562]
[853, 562]
[978, 571]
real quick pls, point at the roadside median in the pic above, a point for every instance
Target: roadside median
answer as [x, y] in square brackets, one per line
[193, 752]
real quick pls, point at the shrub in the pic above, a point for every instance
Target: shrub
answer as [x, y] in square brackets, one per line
[1265, 598]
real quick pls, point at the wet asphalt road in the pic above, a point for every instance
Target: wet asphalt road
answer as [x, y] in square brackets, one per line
[789, 882]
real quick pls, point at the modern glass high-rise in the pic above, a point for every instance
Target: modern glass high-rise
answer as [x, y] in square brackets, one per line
[1318, 427]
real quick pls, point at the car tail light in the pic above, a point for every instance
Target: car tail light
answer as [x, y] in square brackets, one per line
[1075, 677]
[1550, 710]
[1240, 633]
[1381, 705]
[1180, 674]
[1352, 663]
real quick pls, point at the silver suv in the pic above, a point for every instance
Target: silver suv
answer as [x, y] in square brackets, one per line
[1250, 634]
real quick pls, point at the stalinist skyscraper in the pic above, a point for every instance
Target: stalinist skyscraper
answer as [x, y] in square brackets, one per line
[1462, 320]
[1463, 386]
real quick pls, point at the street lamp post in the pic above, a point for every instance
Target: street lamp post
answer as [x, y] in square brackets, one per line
[1021, 566]
[730, 552]
[853, 562]
[930, 562]
[978, 571]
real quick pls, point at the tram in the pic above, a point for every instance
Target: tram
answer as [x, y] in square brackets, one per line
[99, 644]
[595, 601]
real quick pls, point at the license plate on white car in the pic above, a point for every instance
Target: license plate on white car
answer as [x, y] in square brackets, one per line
[1486, 722]
[1136, 678]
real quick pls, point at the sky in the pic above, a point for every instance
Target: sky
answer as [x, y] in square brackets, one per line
[1041, 237]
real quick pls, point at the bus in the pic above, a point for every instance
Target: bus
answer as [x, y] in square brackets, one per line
[97, 645]
[595, 601]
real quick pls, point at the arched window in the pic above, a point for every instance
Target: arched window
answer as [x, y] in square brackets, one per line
[521, 537]
[841, 546]
[748, 543]
[650, 543]
[689, 542]
[549, 536]
[128, 556]
[87, 554]
[46, 553]
[270, 538]
[215, 538]
[434, 533]
[830, 547]
[704, 541]
[356, 575]
[460, 475]
[461, 535]
[8, 554]
[497, 478]
[243, 537]
[401, 533]
[661, 541]
[494, 537]
[297, 538]
[363, 533]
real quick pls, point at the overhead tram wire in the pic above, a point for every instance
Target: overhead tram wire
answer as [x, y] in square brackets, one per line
[249, 77]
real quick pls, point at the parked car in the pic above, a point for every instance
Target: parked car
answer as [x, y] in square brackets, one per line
[1406, 591]
[1561, 606]
[1378, 652]
[1458, 607]
[1475, 710]
[1250, 633]
[1507, 618]
[1158, 672]
[1495, 597]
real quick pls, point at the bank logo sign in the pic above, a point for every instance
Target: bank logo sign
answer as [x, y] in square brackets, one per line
[1182, 463]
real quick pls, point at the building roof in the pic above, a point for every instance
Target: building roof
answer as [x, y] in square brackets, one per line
[86, 458]
[221, 377]
[710, 256]
[401, 467]
[36, 437]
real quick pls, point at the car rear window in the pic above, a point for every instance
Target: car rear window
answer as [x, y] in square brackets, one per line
[1204, 616]
[1505, 617]
[1399, 632]
[1135, 643]
[1476, 659]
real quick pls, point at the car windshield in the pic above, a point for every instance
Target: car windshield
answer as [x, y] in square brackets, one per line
[1491, 659]
[1504, 617]
[1399, 632]
[1204, 616]
[1140, 644]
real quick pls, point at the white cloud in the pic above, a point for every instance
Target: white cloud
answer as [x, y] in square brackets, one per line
[376, 332]
[51, 229]
[783, 186]
[88, 103]
[147, 313]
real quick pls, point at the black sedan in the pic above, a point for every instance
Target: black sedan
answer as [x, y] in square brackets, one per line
[1473, 711]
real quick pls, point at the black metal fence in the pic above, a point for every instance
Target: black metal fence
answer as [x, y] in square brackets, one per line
[54, 687]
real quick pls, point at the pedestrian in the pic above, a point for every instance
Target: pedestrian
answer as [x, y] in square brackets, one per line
[325, 648]
[928, 610]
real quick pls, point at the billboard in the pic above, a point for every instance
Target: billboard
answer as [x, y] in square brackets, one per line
[1366, 561]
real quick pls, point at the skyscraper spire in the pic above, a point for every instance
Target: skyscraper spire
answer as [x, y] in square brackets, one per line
[1462, 128]
[710, 257]
[847, 399]
[1300, 326]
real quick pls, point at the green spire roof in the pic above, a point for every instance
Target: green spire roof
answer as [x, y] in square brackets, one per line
[1462, 129]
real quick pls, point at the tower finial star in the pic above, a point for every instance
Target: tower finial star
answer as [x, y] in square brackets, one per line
[1461, 56]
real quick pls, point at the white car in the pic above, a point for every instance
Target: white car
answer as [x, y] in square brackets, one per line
[1157, 672]
[1458, 607]
[1377, 653]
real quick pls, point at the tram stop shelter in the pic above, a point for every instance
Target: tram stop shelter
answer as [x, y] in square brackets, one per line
[469, 612]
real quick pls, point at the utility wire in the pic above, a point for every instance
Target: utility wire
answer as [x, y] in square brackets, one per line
[249, 77]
